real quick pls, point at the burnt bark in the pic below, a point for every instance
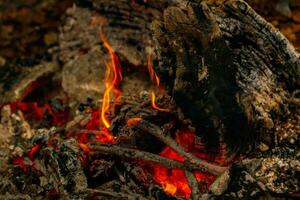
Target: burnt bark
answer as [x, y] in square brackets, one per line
[232, 73]
[127, 29]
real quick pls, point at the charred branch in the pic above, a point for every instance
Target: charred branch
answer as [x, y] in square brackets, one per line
[169, 141]
[134, 154]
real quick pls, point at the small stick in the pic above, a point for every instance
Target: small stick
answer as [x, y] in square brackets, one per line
[193, 183]
[169, 141]
[142, 155]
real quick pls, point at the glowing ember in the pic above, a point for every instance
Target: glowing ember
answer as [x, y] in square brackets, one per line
[173, 181]
[133, 121]
[85, 147]
[103, 135]
[93, 123]
[32, 110]
[34, 150]
[19, 161]
[170, 188]
[112, 79]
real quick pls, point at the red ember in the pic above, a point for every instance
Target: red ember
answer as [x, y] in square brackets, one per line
[32, 110]
[173, 181]
[19, 161]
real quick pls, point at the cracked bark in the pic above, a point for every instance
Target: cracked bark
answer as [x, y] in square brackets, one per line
[229, 70]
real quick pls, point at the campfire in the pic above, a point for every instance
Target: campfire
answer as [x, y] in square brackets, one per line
[154, 100]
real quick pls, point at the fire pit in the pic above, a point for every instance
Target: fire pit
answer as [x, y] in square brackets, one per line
[154, 100]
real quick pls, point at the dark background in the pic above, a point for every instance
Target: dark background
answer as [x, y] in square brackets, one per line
[29, 27]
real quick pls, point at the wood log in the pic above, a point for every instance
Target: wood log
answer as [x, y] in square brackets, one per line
[228, 69]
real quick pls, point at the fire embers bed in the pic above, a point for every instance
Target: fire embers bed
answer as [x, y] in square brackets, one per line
[62, 150]
[50, 156]
[134, 145]
[43, 155]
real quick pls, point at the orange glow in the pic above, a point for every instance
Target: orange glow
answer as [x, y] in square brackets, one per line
[173, 181]
[105, 136]
[133, 121]
[169, 188]
[113, 78]
[84, 147]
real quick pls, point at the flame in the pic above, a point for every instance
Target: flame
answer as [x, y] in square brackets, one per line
[152, 73]
[112, 79]
[153, 104]
[156, 80]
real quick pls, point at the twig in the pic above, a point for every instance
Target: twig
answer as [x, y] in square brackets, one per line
[169, 141]
[193, 183]
[142, 155]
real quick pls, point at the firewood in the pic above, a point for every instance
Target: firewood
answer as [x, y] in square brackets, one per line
[228, 69]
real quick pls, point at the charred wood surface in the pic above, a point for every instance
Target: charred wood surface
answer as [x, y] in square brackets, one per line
[126, 25]
[228, 69]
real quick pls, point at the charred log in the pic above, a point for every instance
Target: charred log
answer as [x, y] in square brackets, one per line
[228, 70]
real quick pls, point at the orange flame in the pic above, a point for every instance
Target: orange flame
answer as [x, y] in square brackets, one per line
[153, 104]
[152, 73]
[156, 80]
[113, 78]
